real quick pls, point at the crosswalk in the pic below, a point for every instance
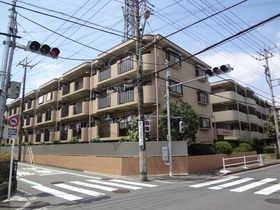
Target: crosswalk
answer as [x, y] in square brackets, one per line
[76, 190]
[238, 184]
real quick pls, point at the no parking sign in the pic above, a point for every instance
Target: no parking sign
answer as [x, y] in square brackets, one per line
[13, 121]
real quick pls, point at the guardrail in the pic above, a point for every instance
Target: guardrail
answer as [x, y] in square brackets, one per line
[244, 162]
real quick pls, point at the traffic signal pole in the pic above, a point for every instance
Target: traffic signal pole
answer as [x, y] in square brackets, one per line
[6, 63]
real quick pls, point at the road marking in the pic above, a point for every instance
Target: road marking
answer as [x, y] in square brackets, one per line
[269, 190]
[110, 189]
[214, 182]
[115, 184]
[253, 185]
[57, 193]
[81, 175]
[80, 190]
[219, 187]
[28, 182]
[133, 183]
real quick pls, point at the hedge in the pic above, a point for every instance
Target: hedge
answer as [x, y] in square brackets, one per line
[223, 147]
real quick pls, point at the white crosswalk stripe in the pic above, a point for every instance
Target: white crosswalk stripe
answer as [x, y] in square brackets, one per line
[228, 183]
[57, 193]
[253, 185]
[88, 187]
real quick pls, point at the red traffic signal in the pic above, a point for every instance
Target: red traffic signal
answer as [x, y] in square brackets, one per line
[46, 50]
[147, 126]
[219, 70]
[182, 126]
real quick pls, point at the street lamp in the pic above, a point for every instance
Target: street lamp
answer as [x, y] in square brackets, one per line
[142, 143]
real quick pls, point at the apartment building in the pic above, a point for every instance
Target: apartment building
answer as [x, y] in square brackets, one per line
[100, 98]
[238, 112]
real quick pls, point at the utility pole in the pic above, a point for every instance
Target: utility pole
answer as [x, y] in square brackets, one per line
[169, 139]
[22, 104]
[142, 141]
[266, 55]
[5, 68]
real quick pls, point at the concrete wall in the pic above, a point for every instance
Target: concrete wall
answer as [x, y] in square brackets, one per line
[122, 158]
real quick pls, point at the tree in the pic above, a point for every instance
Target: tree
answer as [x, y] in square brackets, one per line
[269, 126]
[186, 113]
[133, 131]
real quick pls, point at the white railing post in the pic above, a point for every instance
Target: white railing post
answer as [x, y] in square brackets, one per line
[261, 160]
[245, 166]
[224, 167]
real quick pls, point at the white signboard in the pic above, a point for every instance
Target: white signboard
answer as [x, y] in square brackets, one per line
[140, 132]
[164, 151]
[10, 132]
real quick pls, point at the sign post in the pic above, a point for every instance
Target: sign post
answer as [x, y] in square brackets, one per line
[11, 132]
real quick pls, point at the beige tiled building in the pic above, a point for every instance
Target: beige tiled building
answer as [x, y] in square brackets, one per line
[100, 98]
[237, 111]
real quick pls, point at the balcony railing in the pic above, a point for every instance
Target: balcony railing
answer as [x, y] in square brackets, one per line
[64, 111]
[104, 102]
[125, 97]
[105, 74]
[125, 65]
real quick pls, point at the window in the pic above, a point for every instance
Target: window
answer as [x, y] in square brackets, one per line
[204, 122]
[40, 99]
[202, 97]
[48, 115]
[39, 118]
[49, 96]
[174, 57]
[199, 72]
[79, 84]
[176, 89]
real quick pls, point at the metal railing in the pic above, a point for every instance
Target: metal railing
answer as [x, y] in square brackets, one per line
[244, 161]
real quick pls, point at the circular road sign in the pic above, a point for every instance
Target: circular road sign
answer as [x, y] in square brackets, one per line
[13, 121]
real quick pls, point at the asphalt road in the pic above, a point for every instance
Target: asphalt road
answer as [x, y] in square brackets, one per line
[55, 188]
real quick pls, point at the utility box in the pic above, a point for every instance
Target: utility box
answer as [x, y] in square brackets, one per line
[14, 90]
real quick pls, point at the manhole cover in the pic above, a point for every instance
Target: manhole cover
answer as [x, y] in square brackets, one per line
[38, 205]
[106, 179]
[58, 182]
[273, 200]
[121, 191]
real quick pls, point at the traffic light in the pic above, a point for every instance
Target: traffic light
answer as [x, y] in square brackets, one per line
[219, 70]
[182, 126]
[46, 50]
[147, 126]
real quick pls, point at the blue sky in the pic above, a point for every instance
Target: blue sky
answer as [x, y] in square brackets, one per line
[167, 17]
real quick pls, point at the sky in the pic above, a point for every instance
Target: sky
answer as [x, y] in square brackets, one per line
[84, 29]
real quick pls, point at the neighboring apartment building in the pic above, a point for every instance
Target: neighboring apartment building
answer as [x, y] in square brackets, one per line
[100, 98]
[238, 112]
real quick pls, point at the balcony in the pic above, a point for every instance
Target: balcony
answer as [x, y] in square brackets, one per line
[121, 70]
[46, 118]
[123, 100]
[47, 100]
[230, 115]
[29, 122]
[75, 90]
[30, 107]
[226, 97]
[77, 110]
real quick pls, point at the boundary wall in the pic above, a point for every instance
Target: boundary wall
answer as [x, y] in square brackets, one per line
[121, 158]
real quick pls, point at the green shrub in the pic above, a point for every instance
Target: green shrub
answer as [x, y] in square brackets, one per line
[240, 149]
[252, 142]
[73, 140]
[4, 167]
[95, 140]
[123, 139]
[259, 149]
[201, 149]
[56, 141]
[233, 145]
[247, 146]
[223, 147]
[268, 149]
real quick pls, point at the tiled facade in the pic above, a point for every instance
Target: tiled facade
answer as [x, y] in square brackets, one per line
[100, 98]
[238, 112]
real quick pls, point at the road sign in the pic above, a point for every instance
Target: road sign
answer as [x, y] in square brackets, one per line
[278, 135]
[10, 132]
[13, 121]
